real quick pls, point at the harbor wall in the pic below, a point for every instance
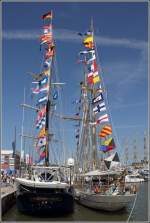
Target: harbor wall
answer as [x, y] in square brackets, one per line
[7, 201]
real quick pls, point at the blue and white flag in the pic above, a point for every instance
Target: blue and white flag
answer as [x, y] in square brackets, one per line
[43, 81]
[98, 98]
[83, 52]
[44, 88]
[55, 95]
[35, 90]
[41, 123]
[100, 107]
[91, 56]
[43, 99]
[41, 142]
[47, 64]
[100, 89]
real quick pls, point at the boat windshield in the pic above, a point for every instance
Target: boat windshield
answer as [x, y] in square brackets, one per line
[48, 175]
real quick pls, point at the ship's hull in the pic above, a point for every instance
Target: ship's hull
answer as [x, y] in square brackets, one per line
[105, 202]
[44, 201]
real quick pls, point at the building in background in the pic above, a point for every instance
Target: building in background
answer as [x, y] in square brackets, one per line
[10, 162]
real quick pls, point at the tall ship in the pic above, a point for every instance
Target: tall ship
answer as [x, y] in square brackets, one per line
[45, 187]
[99, 176]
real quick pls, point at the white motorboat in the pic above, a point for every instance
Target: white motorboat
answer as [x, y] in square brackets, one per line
[144, 173]
[134, 178]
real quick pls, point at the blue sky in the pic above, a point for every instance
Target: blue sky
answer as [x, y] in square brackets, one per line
[121, 34]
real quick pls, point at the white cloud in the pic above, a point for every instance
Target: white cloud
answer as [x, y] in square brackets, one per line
[20, 35]
[130, 43]
[72, 36]
[124, 74]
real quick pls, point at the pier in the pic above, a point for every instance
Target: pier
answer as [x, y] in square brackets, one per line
[8, 197]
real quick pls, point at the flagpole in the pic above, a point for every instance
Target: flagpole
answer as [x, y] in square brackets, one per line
[48, 110]
[22, 131]
[93, 116]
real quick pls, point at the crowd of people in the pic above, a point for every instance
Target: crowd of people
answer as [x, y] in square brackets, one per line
[109, 185]
[7, 179]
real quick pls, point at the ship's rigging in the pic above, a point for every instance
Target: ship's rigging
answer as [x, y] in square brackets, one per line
[94, 133]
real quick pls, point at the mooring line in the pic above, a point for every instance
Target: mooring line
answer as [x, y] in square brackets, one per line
[132, 209]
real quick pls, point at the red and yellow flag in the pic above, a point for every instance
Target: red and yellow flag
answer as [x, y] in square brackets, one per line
[106, 130]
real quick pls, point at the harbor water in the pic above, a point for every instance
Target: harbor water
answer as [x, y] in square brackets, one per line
[140, 212]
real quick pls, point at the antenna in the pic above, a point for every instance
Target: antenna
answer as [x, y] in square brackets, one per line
[92, 25]
[22, 130]
[14, 144]
[135, 151]
[145, 148]
[126, 152]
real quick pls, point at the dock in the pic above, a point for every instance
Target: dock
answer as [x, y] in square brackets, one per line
[8, 197]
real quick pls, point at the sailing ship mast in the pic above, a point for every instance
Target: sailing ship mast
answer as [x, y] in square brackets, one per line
[93, 102]
[44, 181]
[145, 148]
[43, 88]
[48, 105]
[126, 153]
[94, 164]
[135, 160]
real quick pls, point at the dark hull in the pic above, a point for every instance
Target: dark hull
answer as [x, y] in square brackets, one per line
[45, 202]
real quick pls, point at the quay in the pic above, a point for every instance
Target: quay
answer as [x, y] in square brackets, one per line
[8, 197]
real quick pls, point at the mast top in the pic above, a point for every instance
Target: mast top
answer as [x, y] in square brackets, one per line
[92, 25]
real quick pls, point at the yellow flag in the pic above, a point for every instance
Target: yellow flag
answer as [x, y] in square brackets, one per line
[107, 142]
[42, 133]
[96, 79]
[46, 72]
[88, 39]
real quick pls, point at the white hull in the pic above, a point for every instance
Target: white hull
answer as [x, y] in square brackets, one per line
[38, 184]
[105, 202]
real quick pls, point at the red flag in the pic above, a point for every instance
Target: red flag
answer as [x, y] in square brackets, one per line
[94, 66]
[46, 38]
[50, 52]
[47, 15]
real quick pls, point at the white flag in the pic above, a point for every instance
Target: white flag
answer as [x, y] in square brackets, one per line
[91, 56]
[102, 118]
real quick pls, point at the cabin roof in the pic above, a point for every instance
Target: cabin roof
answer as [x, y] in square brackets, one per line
[102, 173]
